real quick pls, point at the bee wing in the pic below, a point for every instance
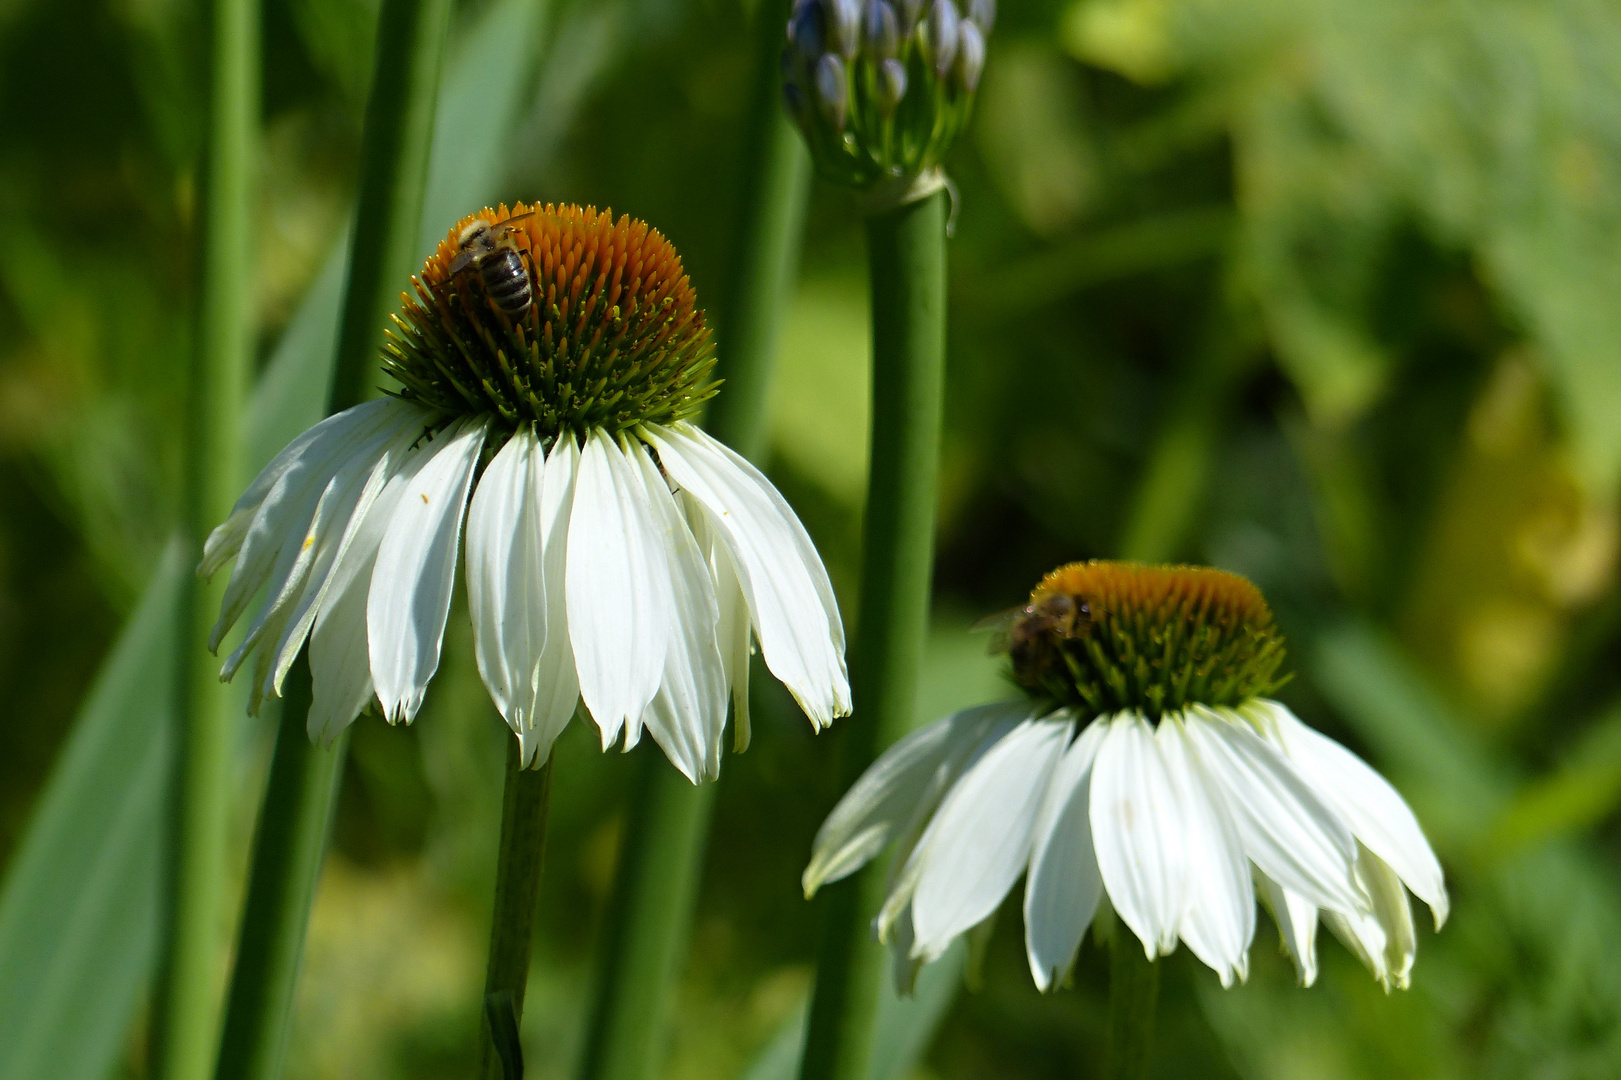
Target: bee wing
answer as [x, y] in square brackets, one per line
[504, 227]
[998, 626]
[461, 262]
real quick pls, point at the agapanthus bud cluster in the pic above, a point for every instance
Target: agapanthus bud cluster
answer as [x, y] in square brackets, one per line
[881, 88]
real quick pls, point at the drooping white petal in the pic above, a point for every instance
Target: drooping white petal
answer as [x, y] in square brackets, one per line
[556, 686]
[316, 442]
[409, 597]
[1288, 830]
[1376, 813]
[735, 631]
[506, 588]
[1297, 925]
[269, 544]
[1220, 917]
[314, 521]
[340, 659]
[981, 841]
[688, 714]
[1382, 938]
[906, 782]
[362, 486]
[918, 835]
[287, 578]
[1137, 833]
[1064, 885]
[340, 664]
[617, 580]
[789, 595]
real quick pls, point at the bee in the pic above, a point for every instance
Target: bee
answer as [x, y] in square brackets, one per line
[489, 250]
[1033, 634]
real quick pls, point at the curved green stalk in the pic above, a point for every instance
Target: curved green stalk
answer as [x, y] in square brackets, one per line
[907, 264]
[303, 778]
[656, 884]
[185, 1006]
[286, 867]
[1133, 998]
[524, 805]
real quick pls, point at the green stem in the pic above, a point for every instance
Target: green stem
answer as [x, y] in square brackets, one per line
[524, 805]
[771, 222]
[648, 920]
[393, 178]
[287, 850]
[1133, 997]
[907, 260]
[656, 884]
[303, 779]
[185, 1007]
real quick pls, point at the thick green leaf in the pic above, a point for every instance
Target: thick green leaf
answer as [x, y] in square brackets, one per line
[78, 908]
[78, 916]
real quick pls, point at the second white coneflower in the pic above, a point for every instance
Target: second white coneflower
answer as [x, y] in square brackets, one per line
[615, 553]
[1147, 765]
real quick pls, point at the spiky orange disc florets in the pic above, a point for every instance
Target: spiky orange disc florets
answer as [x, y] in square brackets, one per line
[1117, 635]
[611, 337]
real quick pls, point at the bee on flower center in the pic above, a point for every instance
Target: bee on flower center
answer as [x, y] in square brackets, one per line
[488, 250]
[1112, 635]
[1035, 634]
[1032, 636]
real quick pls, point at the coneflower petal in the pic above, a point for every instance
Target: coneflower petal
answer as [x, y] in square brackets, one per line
[1064, 885]
[1376, 813]
[556, 687]
[506, 588]
[1137, 833]
[982, 834]
[790, 597]
[409, 597]
[1220, 917]
[1289, 831]
[687, 716]
[617, 582]
[340, 659]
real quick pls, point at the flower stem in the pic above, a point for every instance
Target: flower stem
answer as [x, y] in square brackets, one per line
[1133, 996]
[287, 850]
[524, 804]
[656, 883]
[907, 264]
[303, 778]
[186, 1003]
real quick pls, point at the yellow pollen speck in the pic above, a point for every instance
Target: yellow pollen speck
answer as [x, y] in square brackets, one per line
[424, 499]
[308, 540]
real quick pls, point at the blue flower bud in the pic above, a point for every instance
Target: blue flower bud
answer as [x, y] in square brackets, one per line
[984, 13]
[942, 35]
[844, 26]
[832, 90]
[794, 98]
[880, 33]
[970, 55]
[807, 32]
[891, 85]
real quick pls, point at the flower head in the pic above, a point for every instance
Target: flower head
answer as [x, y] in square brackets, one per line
[617, 556]
[1148, 766]
[881, 89]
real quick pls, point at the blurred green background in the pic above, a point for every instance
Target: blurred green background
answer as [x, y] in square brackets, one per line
[1326, 292]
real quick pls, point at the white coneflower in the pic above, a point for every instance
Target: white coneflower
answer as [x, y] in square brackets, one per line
[615, 552]
[1149, 765]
